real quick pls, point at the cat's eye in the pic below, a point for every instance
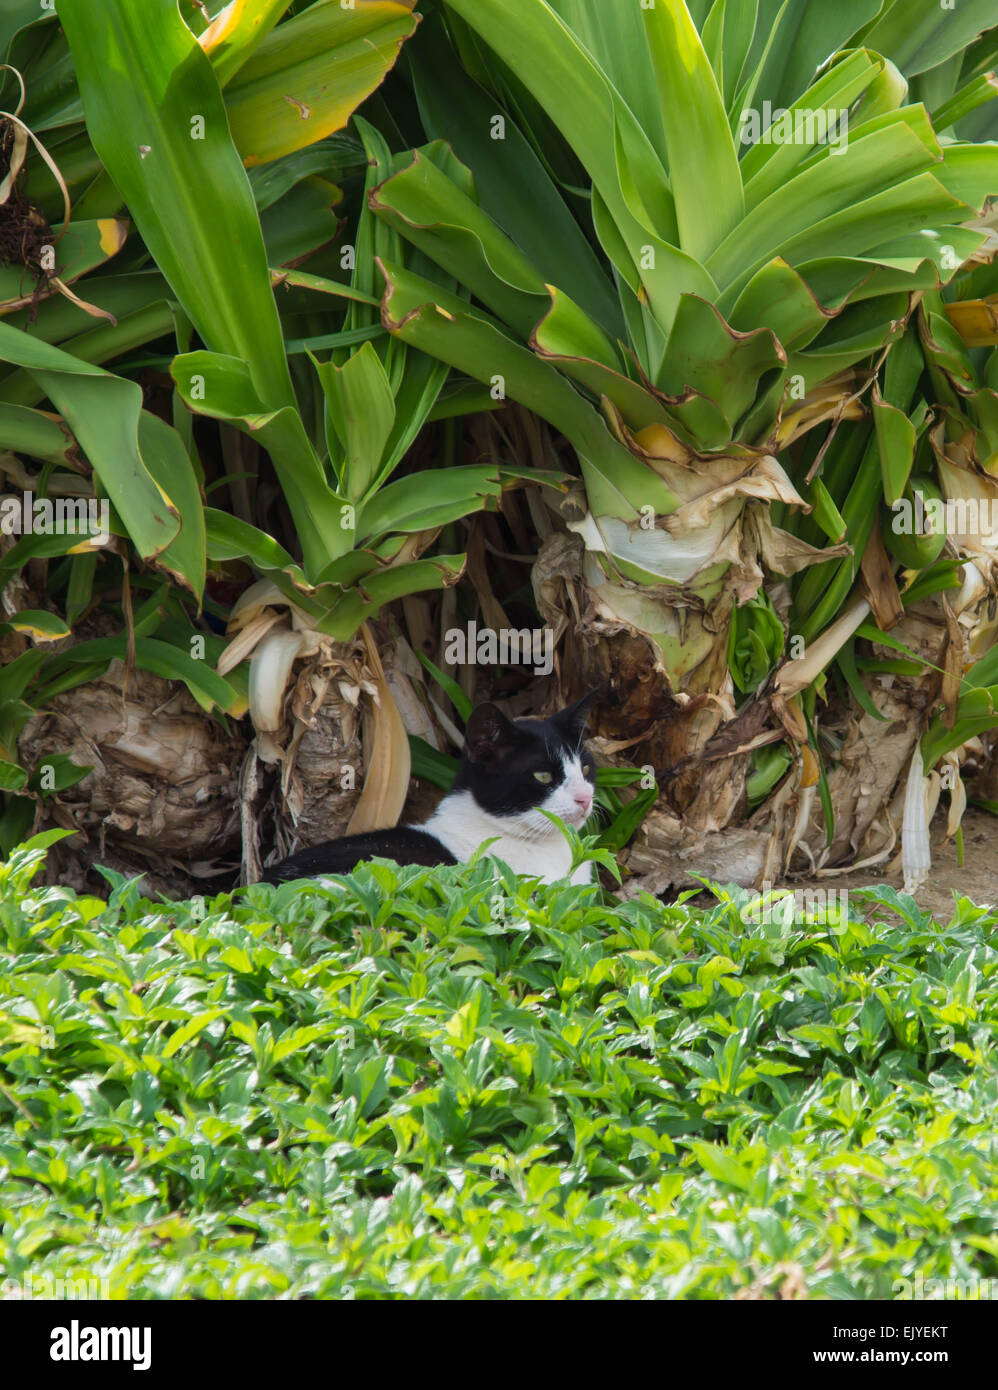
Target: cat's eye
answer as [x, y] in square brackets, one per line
[543, 777]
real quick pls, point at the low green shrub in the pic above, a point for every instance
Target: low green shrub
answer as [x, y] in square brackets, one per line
[443, 1083]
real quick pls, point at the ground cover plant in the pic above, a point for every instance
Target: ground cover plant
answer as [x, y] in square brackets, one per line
[447, 1084]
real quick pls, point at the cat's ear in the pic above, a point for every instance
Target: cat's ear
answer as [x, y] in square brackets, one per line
[488, 735]
[572, 721]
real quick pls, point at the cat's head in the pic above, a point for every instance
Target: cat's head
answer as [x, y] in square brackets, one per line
[515, 768]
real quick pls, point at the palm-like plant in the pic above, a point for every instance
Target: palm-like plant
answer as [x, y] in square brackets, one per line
[756, 290]
[206, 134]
[746, 321]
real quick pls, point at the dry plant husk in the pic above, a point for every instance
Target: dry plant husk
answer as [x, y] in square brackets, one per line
[162, 796]
[327, 719]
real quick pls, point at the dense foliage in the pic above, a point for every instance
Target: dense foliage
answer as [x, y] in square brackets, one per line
[423, 1083]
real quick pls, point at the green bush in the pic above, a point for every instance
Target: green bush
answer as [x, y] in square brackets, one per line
[442, 1084]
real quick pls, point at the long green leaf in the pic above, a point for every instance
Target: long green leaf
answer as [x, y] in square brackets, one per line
[421, 313]
[920, 34]
[361, 410]
[156, 117]
[701, 149]
[432, 497]
[602, 130]
[221, 386]
[163, 659]
[511, 182]
[139, 472]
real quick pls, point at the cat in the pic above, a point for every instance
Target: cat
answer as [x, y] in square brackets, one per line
[510, 771]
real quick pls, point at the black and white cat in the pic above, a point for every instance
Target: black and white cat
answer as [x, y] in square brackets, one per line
[511, 770]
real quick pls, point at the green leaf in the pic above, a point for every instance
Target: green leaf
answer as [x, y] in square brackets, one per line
[207, 687]
[705, 355]
[895, 445]
[55, 772]
[136, 467]
[755, 642]
[12, 776]
[423, 314]
[16, 819]
[615, 38]
[432, 497]
[163, 450]
[627, 174]
[795, 37]
[88, 244]
[778, 297]
[222, 387]
[156, 117]
[824, 791]
[841, 203]
[767, 768]
[698, 136]
[977, 92]
[385, 586]
[302, 222]
[976, 713]
[45, 839]
[335, 158]
[461, 702]
[429, 764]
[511, 182]
[847, 665]
[17, 675]
[438, 217]
[885, 639]
[769, 164]
[919, 34]
[228, 538]
[623, 826]
[361, 410]
[716, 1161]
[31, 432]
[190, 1030]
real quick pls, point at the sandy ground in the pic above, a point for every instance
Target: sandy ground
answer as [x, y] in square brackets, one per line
[976, 879]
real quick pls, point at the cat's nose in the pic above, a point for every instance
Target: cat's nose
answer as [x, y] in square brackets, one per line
[584, 799]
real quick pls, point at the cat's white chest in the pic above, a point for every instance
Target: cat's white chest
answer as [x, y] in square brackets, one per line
[461, 825]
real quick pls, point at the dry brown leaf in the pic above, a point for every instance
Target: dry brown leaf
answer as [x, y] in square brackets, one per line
[389, 764]
[879, 585]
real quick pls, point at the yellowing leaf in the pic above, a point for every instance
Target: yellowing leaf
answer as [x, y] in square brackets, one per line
[311, 73]
[39, 625]
[235, 32]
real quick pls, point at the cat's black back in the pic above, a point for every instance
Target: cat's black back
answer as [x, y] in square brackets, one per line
[404, 844]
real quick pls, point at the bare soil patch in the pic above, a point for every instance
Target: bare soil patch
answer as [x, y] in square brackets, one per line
[976, 878]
